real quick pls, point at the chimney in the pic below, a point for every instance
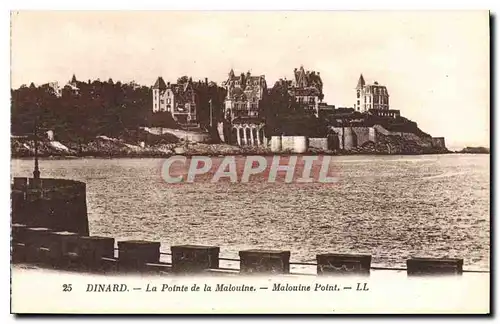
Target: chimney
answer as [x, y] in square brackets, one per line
[206, 80]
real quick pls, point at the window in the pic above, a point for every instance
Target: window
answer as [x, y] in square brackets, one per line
[365, 99]
[359, 93]
[369, 99]
[162, 101]
[168, 100]
[358, 102]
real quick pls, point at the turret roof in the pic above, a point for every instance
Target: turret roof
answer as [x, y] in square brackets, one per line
[160, 84]
[361, 82]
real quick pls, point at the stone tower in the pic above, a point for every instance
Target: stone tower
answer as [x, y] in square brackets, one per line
[159, 89]
[359, 92]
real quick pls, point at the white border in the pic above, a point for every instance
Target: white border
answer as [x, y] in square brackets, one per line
[180, 5]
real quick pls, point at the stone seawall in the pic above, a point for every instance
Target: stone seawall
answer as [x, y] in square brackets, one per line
[291, 144]
[197, 137]
[378, 140]
[320, 143]
[350, 137]
[294, 144]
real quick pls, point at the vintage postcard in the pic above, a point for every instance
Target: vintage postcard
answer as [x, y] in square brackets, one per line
[250, 162]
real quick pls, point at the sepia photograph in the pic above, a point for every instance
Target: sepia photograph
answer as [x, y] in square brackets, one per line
[250, 162]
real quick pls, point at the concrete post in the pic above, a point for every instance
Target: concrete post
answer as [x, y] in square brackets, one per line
[94, 248]
[264, 261]
[18, 232]
[343, 264]
[18, 242]
[434, 266]
[37, 244]
[194, 258]
[133, 255]
[18, 203]
[64, 248]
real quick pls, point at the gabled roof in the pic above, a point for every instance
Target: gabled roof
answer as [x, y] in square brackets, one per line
[160, 84]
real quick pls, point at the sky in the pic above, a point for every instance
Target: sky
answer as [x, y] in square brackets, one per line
[435, 64]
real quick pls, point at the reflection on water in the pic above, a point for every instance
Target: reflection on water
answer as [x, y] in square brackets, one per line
[391, 207]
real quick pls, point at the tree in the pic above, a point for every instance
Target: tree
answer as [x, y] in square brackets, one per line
[99, 109]
[183, 79]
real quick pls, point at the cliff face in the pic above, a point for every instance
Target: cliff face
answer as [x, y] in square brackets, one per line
[101, 146]
[393, 144]
[376, 139]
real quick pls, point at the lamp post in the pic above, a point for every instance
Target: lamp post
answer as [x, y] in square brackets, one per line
[211, 113]
[343, 135]
[36, 171]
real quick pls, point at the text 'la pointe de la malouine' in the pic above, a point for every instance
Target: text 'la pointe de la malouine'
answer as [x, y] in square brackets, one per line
[220, 287]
